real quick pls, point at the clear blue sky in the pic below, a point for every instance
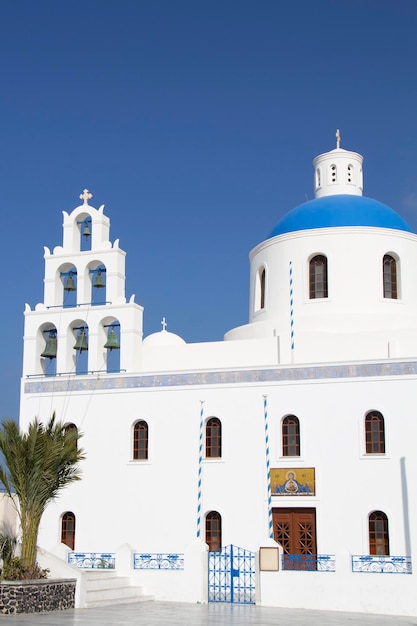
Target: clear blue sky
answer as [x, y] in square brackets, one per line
[195, 123]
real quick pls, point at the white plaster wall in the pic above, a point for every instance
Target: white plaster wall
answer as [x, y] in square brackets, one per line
[355, 306]
[152, 505]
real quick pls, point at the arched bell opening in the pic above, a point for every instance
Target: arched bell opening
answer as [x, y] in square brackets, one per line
[98, 285]
[47, 347]
[112, 346]
[69, 286]
[85, 227]
[80, 347]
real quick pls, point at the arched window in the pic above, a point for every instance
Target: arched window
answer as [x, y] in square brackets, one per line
[378, 533]
[318, 277]
[389, 268]
[213, 438]
[290, 436]
[73, 429]
[374, 433]
[140, 441]
[68, 529]
[214, 531]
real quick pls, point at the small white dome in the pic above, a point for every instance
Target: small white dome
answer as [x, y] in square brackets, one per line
[163, 338]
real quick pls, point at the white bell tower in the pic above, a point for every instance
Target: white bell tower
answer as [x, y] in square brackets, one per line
[84, 308]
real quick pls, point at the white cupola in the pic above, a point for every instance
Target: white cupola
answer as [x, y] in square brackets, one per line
[338, 172]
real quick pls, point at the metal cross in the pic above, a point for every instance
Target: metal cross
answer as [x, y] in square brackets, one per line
[164, 324]
[86, 196]
[338, 139]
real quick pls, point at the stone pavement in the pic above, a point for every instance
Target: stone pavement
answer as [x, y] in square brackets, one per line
[179, 614]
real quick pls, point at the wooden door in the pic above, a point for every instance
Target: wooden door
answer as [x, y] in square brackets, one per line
[295, 530]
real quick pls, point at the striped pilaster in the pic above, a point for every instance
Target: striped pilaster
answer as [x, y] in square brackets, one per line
[200, 466]
[268, 474]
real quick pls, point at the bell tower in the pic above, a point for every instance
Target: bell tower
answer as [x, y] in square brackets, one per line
[84, 324]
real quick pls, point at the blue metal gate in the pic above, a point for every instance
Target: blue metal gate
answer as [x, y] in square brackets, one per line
[231, 575]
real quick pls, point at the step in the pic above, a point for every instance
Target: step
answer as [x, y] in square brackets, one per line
[104, 588]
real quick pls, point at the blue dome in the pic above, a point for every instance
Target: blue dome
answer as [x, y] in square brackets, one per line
[342, 210]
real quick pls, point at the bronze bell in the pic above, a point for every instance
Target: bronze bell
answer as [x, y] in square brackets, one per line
[81, 344]
[99, 281]
[50, 346]
[112, 342]
[70, 284]
[86, 230]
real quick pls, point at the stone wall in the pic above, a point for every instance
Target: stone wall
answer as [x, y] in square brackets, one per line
[36, 596]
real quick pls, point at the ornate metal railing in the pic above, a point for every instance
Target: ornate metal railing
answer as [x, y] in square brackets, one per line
[309, 562]
[158, 561]
[382, 564]
[92, 560]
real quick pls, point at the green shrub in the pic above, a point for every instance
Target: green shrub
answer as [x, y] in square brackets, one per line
[15, 570]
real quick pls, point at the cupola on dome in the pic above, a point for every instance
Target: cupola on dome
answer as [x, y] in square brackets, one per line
[338, 183]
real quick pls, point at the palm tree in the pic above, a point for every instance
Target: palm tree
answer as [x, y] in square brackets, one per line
[39, 463]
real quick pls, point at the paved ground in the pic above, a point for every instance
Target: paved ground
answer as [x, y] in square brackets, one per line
[177, 614]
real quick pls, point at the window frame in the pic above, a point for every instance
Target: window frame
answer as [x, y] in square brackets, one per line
[68, 533]
[140, 452]
[390, 277]
[318, 283]
[374, 437]
[288, 448]
[213, 438]
[213, 531]
[378, 534]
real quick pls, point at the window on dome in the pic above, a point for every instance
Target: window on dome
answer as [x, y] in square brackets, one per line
[318, 277]
[318, 178]
[333, 173]
[291, 436]
[378, 534]
[389, 268]
[68, 529]
[140, 441]
[374, 433]
[262, 289]
[213, 438]
[214, 531]
[349, 173]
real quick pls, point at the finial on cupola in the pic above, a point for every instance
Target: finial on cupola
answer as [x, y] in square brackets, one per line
[337, 139]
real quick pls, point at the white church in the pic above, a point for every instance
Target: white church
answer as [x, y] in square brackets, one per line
[277, 466]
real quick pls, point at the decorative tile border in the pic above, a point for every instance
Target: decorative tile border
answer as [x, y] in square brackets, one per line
[226, 377]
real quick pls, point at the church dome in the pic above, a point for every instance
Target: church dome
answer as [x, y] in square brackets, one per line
[333, 211]
[163, 338]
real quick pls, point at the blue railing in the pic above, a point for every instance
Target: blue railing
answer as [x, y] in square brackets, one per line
[158, 561]
[92, 560]
[382, 564]
[309, 562]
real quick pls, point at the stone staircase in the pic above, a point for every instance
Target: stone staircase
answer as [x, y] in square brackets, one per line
[105, 587]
